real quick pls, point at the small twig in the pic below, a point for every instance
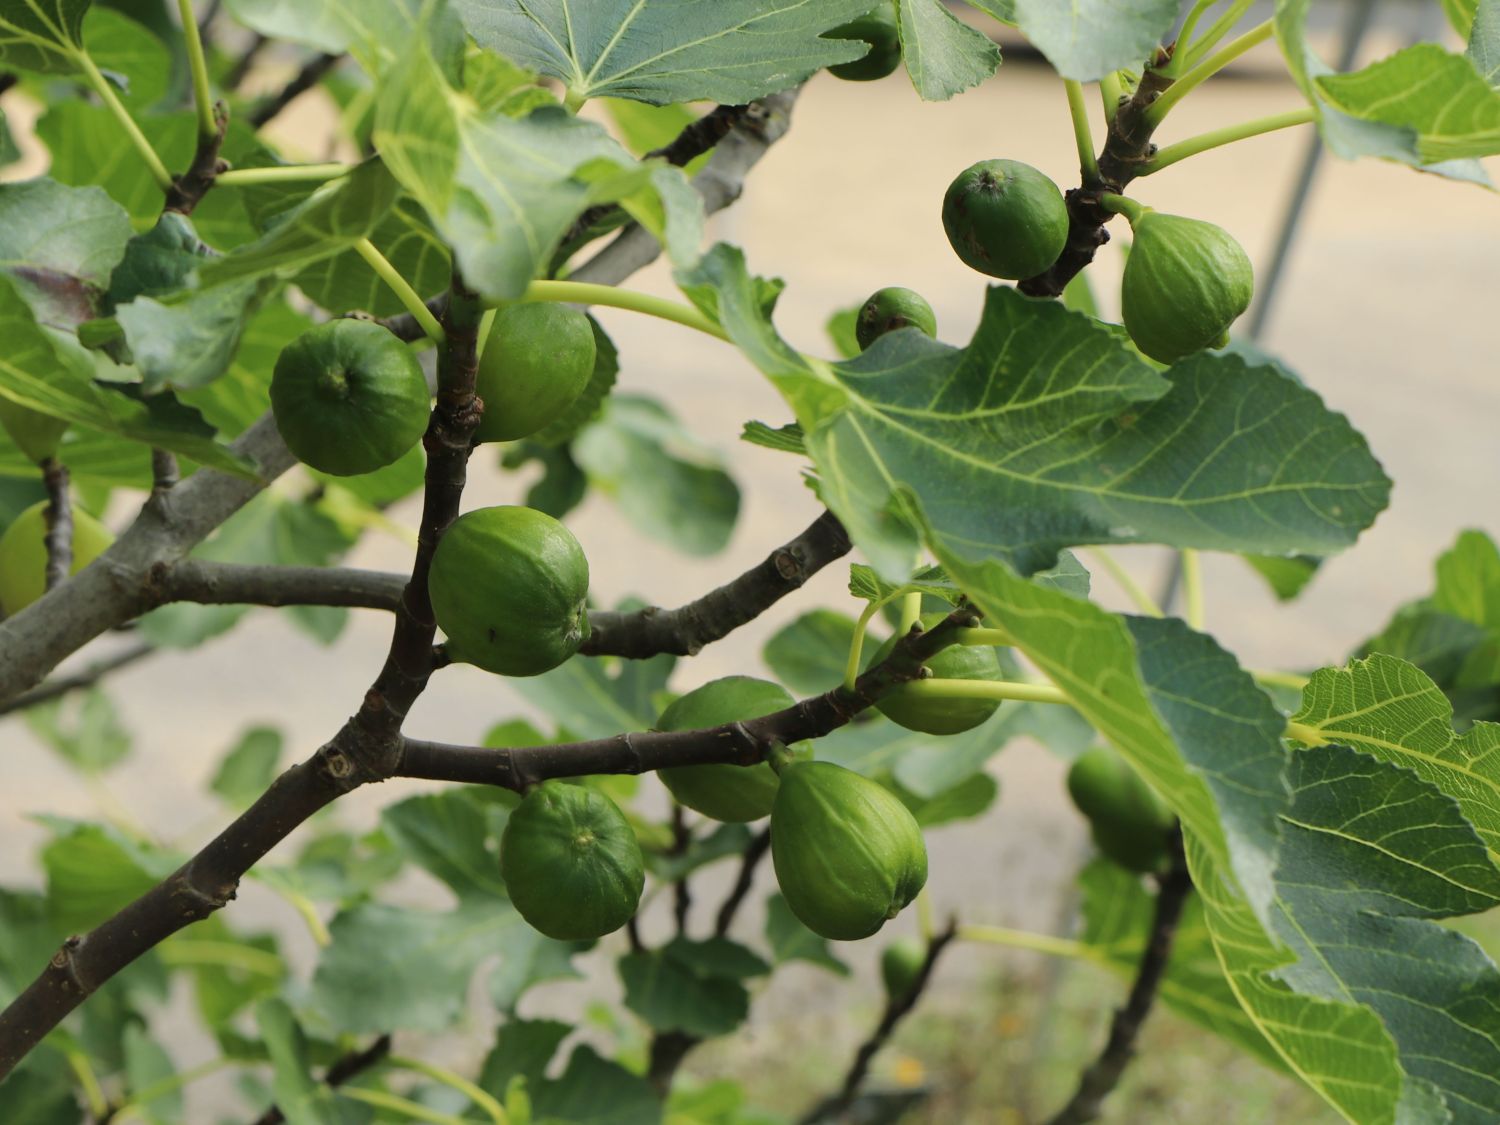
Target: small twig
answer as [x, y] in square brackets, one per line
[304, 80]
[896, 1007]
[668, 1049]
[1103, 1074]
[633, 935]
[684, 631]
[188, 189]
[164, 472]
[242, 66]
[206, 582]
[682, 894]
[343, 1069]
[59, 518]
[88, 677]
[755, 851]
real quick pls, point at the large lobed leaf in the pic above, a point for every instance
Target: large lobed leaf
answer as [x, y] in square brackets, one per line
[942, 56]
[44, 35]
[1087, 39]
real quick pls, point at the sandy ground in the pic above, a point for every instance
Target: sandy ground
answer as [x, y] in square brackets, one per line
[1388, 312]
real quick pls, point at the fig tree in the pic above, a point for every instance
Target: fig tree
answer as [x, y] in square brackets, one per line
[892, 308]
[932, 715]
[571, 862]
[23, 554]
[736, 794]
[1005, 219]
[878, 28]
[537, 360]
[349, 398]
[1129, 822]
[1185, 283]
[847, 853]
[509, 586]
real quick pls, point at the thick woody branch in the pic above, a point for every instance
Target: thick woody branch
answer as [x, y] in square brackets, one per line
[896, 1009]
[684, 631]
[741, 744]
[217, 583]
[1103, 1075]
[1126, 149]
[310, 75]
[59, 519]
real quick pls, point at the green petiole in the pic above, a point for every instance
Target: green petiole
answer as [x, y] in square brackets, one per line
[1215, 138]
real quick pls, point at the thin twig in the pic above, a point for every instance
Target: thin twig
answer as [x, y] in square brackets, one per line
[342, 1070]
[755, 851]
[243, 65]
[682, 894]
[165, 473]
[59, 519]
[1103, 1074]
[685, 630]
[59, 686]
[896, 1008]
[310, 75]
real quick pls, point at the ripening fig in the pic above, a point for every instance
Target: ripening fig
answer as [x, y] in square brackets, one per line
[1005, 219]
[537, 360]
[877, 28]
[1129, 822]
[23, 554]
[1185, 283]
[735, 794]
[892, 308]
[933, 715]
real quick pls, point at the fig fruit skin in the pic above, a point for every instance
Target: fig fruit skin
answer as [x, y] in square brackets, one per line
[930, 715]
[509, 586]
[571, 862]
[349, 398]
[891, 308]
[1005, 219]
[537, 360]
[23, 554]
[734, 794]
[37, 435]
[1186, 281]
[848, 854]
[878, 28]
[1129, 822]
[900, 964]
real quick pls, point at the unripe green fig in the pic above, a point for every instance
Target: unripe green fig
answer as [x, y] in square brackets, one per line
[509, 585]
[37, 435]
[848, 855]
[537, 360]
[1185, 283]
[877, 28]
[931, 715]
[1129, 822]
[900, 965]
[736, 794]
[349, 398]
[1005, 219]
[892, 308]
[23, 554]
[571, 862]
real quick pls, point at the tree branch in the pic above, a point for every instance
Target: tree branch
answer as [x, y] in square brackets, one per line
[755, 851]
[243, 65]
[310, 75]
[88, 677]
[684, 631]
[58, 516]
[896, 1008]
[218, 583]
[340, 1071]
[1101, 1077]
[1126, 150]
[189, 188]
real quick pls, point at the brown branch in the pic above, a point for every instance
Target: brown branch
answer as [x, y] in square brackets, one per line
[682, 895]
[668, 1049]
[88, 677]
[242, 65]
[1103, 1074]
[217, 583]
[188, 189]
[165, 473]
[304, 80]
[340, 1071]
[896, 1008]
[718, 613]
[1126, 148]
[755, 851]
[58, 516]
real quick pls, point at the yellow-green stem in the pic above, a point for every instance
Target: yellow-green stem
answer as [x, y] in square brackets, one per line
[1123, 205]
[93, 1093]
[492, 1108]
[1192, 587]
[1312, 736]
[1280, 679]
[1083, 136]
[226, 953]
[149, 1093]
[305, 906]
[401, 287]
[911, 612]
[133, 132]
[611, 296]
[1216, 138]
[985, 689]
[396, 1104]
[1110, 93]
[1180, 52]
[486, 322]
[988, 635]
[926, 921]
[1193, 52]
[1143, 601]
[207, 126]
[1206, 70]
[1022, 939]
[857, 643]
[282, 174]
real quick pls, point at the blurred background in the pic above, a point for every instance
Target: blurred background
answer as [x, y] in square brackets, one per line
[1386, 308]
